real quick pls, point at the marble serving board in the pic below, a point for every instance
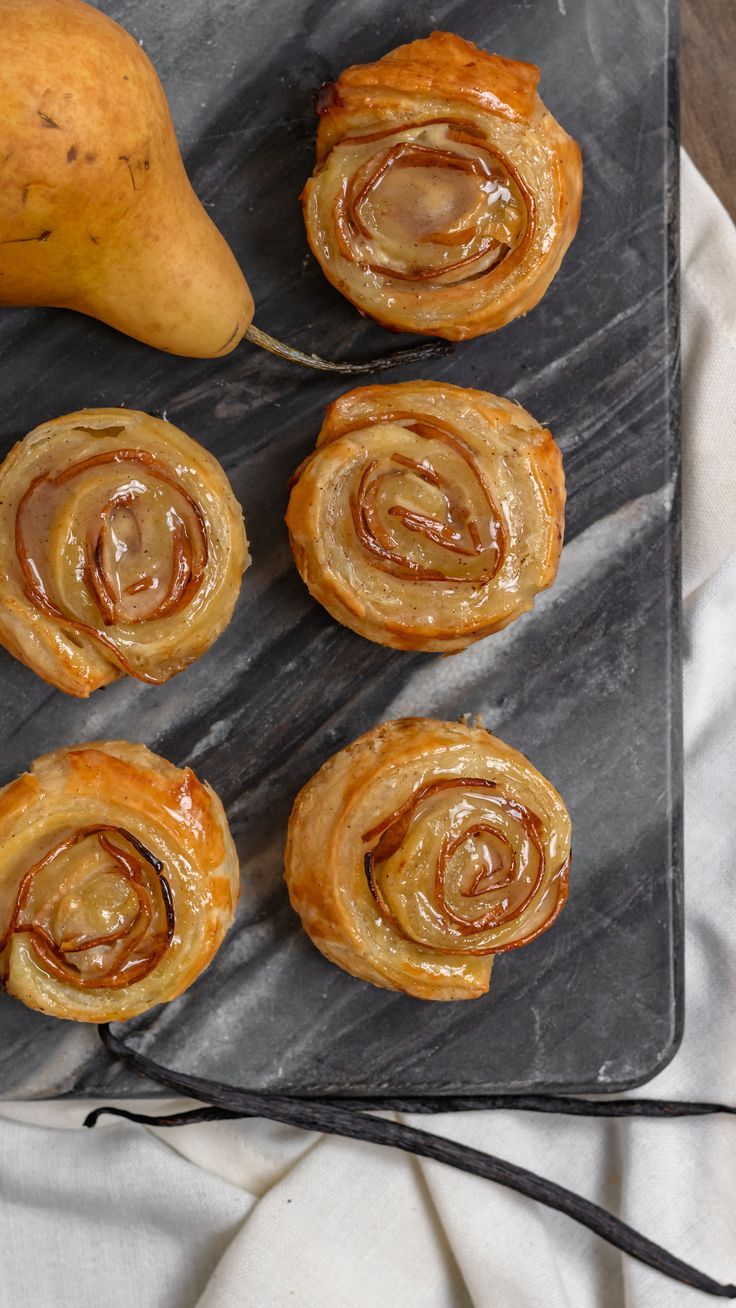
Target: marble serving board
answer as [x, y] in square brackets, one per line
[587, 685]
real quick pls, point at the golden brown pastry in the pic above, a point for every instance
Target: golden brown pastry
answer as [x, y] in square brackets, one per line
[429, 515]
[118, 881]
[122, 549]
[423, 849]
[445, 193]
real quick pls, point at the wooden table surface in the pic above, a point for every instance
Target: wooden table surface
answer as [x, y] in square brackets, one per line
[708, 90]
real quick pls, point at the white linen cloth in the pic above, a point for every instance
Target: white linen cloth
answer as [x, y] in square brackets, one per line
[241, 1214]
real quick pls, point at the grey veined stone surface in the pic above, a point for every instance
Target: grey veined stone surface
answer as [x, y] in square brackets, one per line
[587, 685]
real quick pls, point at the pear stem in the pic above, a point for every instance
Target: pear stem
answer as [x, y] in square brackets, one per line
[418, 354]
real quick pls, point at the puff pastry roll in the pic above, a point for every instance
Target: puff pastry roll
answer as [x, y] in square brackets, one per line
[118, 881]
[423, 849]
[429, 515]
[122, 549]
[445, 194]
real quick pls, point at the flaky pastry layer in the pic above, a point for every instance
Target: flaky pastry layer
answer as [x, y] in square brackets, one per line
[421, 850]
[429, 515]
[122, 549]
[445, 194]
[118, 881]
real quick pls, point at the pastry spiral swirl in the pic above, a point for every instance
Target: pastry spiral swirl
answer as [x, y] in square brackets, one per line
[429, 515]
[445, 194]
[423, 849]
[122, 549]
[118, 881]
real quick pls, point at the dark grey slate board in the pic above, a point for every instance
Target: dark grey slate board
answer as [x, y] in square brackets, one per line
[587, 685]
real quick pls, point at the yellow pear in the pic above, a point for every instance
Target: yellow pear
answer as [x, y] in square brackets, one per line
[97, 211]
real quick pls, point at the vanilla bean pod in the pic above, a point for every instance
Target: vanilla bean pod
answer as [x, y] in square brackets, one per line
[338, 1119]
[567, 1105]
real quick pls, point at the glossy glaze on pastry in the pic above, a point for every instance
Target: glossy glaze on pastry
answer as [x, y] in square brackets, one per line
[429, 515]
[445, 194]
[423, 849]
[118, 881]
[122, 549]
